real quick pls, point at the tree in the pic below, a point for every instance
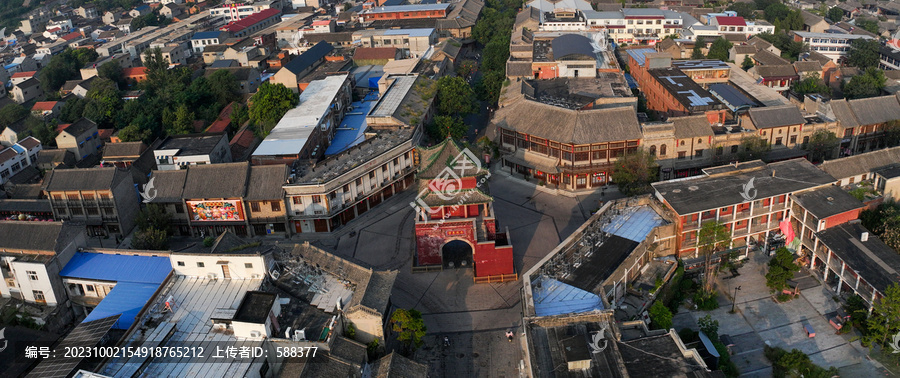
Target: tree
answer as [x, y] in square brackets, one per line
[224, 86]
[150, 239]
[781, 269]
[747, 63]
[884, 322]
[892, 133]
[719, 49]
[714, 236]
[45, 132]
[698, 51]
[154, 216]
[73, 110]
[446, 124]
[269, 104]
[822, 145]
[104, 103]
[867, 24]
[634, 171]
[133, 133]
[239, 116]
[466, 67]
[11, 113]
[868, 84]
[183, 122]
[660, 316]
[753, 148]
[65, 66]
[744, 10]
[112, 70]
[835, 14]
[455, 96]
[811, 84]
[864, 53]
[488, 86]
[710, 327]
[410, 327]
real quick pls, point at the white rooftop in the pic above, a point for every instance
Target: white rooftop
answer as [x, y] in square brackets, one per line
[391, 100]
[831, 35]
[293, 130]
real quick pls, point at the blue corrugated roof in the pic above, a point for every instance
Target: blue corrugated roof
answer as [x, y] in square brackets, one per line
[556, 298]
[631, 82]
[635, 224]
[352, 129]
[118, 268]
[206, 35]
[638, 54]
[125, 298]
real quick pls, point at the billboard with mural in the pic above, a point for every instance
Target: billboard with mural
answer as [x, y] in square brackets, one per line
[216, 210]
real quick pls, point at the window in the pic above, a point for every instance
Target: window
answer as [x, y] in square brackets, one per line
[662, 150]
[76, 211]
[89, 288]
[200, 265]
[652, 150]
[276, 206]
[734, 149]
[680, 155]
[778, 141]
[317, 199]
[359, 181]
[248, 265]
[38, 296]
[32, 275]
[254, 206]
[793, 139]
[682, 143]
[698, 153]
[180, 263]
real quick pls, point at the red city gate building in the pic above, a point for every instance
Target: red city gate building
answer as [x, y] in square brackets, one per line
[455, 224]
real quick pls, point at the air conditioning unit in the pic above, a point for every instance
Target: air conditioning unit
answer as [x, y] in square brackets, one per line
[255, 276]
[211, 276]
[255, 334]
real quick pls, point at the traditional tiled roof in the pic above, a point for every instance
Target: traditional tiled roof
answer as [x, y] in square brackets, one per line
[84, 179]
[230, 179]
[764, 57]
[776, 116]
[433, 160]
[861, 164]
[266, 182]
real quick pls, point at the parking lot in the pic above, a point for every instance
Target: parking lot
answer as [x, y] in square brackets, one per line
[760, 320]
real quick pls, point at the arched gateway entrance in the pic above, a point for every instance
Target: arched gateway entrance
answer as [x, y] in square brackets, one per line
[457, 254]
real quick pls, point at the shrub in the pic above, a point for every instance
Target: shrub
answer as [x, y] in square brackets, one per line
[208, 241]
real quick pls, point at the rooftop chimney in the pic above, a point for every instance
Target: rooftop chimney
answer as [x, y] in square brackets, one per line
[864, 237]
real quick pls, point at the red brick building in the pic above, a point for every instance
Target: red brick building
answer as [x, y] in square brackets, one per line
[455, 224]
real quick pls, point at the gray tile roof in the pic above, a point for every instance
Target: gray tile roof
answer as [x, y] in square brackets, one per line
[875, 110]
[779, 70]
[764, 57]
[776, 116]
[80, 127]
[123, 150]
[266, 182]
[691, 127]
[397, 366]
[169, 185]
[860, 164]
[227, 180]
[568, 126]
[84, 179]
[37, 236]
[827, 201]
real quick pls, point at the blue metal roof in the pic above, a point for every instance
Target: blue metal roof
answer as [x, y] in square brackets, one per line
[419, 32]
[118, 268]
[635, 224]
[352, 129]
[556, 298]
[638, 54]
[206, 35]
[127, 299]
[631, 82]
[731, 96]
[18, 148]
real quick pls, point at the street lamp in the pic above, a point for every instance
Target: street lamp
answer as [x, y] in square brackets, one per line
[734, 298]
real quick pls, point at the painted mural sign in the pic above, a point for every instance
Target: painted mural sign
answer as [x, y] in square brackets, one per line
[216, 210]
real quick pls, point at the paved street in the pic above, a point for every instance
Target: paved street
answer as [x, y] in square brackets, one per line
[475, 317]
[761, 321]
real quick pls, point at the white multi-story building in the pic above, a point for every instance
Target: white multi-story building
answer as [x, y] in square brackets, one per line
[15, 158]
[234, 12]
[833, 45]
[31, 256]
[639, 25]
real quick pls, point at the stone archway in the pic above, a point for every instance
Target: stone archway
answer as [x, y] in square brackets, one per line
[457, 253]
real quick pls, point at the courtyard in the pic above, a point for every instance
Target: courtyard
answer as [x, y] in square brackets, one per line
[759, 321]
